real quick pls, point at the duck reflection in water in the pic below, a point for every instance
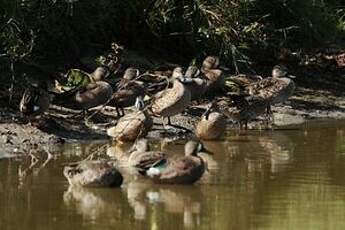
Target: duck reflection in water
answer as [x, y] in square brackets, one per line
[182, 200]
[94, 204]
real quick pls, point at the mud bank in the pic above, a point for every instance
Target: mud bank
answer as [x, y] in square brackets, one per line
[58, 126]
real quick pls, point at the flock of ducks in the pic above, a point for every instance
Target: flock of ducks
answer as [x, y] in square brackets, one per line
[254, 97]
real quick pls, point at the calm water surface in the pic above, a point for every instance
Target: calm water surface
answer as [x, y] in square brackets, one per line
[286, 179]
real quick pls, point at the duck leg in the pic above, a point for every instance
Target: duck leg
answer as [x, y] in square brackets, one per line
[122, 111]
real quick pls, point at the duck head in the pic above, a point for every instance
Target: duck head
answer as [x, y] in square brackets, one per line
[280, 71]
[100, 73]
[192, 72]
[210, 62]
[177, 72]
[131, 73]
[192, 148]
[210, 109]
[139, 103]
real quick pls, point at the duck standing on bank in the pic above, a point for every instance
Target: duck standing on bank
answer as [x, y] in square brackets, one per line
[180, 170]
[212, 124]
[243, 109]
[93, 174]
[172, 101]
[133, 125]
[127, 90]
[275, 89]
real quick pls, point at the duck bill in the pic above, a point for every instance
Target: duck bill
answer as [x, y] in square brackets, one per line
[204, 150]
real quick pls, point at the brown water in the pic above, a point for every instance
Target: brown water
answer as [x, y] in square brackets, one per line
[286, 179]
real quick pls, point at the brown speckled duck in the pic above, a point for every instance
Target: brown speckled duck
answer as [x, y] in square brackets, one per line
[172, 101]
[212, 124]
[133, 125]
[127, 90]
[243, 109]
[215, 76]
[275, 89]
[93, 174]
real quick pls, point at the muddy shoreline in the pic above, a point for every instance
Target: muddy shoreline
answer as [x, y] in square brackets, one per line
[59, 126]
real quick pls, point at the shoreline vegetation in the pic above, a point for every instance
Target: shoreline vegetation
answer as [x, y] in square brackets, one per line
[40, 40]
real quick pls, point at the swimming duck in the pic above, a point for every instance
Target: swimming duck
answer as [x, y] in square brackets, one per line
[210, 69]
[141, 158]
[35, 100]
[198, 86]
[181, 170]
[212, 124]
[172, 101]
[85, 97]
[133, 125]
[127, 90]
[93, 174]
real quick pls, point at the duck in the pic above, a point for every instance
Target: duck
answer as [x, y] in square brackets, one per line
[212, 124]
[35, 100]
[198, 86]
[95, 93]
[243, 108]
[180, 170]
[127, 90]
[85, 97]
[242, 81]
[275, 89]
[133, 125]
[211, 71]
[93, 173]
[172, 101]
[141, 158]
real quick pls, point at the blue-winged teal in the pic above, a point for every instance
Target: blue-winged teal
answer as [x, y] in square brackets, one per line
[141, 158]
[212, 124]
[35, 101]
[180, 170]
[133, 125]
[172, 101]
[127, 90]
[93, 174]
